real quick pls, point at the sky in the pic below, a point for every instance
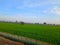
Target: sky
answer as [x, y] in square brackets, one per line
[33, 11]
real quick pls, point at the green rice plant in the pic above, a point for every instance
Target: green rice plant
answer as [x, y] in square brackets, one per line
[46, 33]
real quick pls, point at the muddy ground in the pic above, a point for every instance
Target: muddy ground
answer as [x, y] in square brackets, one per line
[4, 41]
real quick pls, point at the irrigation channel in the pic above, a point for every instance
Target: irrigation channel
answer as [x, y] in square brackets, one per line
[24, 40]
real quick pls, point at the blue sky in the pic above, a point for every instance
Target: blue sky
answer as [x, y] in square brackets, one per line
[30, 11]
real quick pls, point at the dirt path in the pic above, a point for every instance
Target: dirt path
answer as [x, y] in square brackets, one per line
[4, 41]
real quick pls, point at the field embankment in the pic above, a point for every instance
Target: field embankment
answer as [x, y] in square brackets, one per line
[23, 40]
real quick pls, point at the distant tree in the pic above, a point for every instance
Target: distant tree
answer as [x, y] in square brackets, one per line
[16, 21]
[36, 23]
[22, 23]
[44, 23]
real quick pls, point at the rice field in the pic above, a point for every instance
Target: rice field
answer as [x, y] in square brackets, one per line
[46, 33]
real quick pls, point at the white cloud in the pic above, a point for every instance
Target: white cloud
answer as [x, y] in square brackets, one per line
[32, 3]
[38, 3]
[54, 2]
[55, 10]
[19, 17]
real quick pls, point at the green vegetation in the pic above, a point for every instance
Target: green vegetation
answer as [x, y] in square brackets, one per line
[47, 33]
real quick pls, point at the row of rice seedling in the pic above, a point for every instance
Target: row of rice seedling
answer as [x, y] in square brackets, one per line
[25, 40]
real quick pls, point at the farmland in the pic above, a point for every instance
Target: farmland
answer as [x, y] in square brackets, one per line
[46, 33]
